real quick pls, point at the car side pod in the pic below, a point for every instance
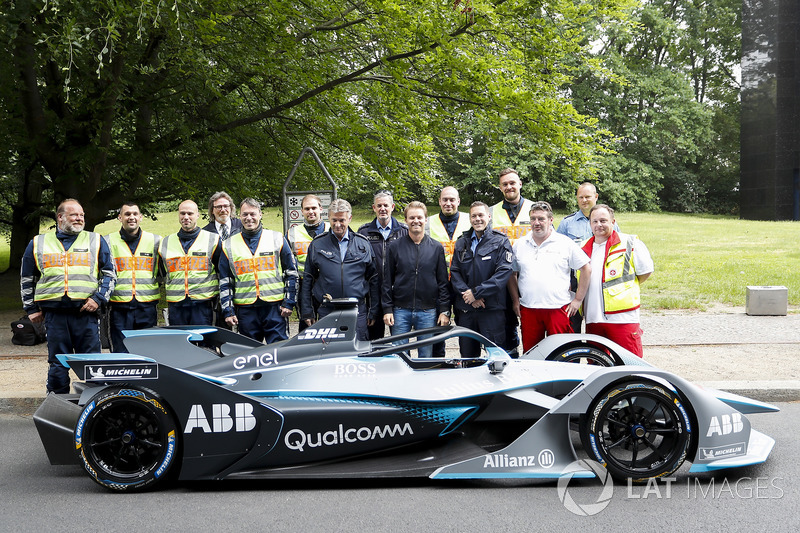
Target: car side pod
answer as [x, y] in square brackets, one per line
[544, 451]
[55, 420]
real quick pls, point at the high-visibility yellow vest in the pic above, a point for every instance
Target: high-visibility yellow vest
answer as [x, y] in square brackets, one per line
[259, 274]
[190, 274]
[137, 271]
[73, 272]
[299, 239]
[436, 230]
[515, 229]
[620, 286]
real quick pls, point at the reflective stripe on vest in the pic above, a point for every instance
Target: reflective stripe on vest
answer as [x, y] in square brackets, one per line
[435, 229]
[137, 271]
[258, 275]
[299, 239]
[192, 273]
[516, 229]
[73, 272]
[620, 286]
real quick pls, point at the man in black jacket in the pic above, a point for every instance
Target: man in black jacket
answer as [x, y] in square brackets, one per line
[415, 286]
[380, 232]
[479, 273]
[340, 263]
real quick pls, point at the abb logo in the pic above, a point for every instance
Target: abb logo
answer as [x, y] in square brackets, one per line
[221, 420]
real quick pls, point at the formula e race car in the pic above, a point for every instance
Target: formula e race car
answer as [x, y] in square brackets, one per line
[201, 403]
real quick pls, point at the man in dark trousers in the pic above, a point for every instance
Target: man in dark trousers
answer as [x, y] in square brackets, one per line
[190, 258]
[415, 287]
[258, 278]
[65, 277]
[479, 273]
[135, 298]
[340, 263]
[380, 232]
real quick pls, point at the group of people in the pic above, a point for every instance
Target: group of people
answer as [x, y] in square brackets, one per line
[495, 267]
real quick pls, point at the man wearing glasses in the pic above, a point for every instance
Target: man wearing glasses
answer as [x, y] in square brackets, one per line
[539, 287]
[221, 216]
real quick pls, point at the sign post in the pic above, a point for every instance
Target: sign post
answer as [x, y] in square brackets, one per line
[293, 197]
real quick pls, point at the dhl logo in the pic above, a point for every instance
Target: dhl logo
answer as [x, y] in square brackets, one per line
[256, 264]
[178, 264]
[65, 259]
[134, 263]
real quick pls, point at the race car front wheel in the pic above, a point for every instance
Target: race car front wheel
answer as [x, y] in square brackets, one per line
[584, 355]
[127, 439]
[638, 430]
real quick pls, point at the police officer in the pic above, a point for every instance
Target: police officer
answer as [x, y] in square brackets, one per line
[135, 298]
[380, 232]
[511, 217]
[301, 235]
[340, 263]
[479, 274]
[190, 258]
[258, 278]
[65, 277]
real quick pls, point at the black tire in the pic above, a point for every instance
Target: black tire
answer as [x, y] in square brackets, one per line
[637, 430]
[584, 355]
[127, 439]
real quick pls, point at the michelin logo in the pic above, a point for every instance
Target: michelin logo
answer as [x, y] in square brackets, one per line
[121, 372]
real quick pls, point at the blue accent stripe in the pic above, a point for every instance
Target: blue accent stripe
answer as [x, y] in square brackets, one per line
[520, 475]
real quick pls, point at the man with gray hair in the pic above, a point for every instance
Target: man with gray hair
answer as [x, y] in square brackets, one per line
[257, 278]
[221, 216]
[380, 232]
[340, 263]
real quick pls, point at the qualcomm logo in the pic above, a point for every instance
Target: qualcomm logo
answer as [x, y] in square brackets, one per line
[296, 439]
[586, 509]
[221, 419]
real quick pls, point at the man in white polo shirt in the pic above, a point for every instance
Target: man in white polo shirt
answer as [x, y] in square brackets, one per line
[539, 287]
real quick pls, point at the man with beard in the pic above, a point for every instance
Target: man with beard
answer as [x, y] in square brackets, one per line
[380, 232]
[510, 217]
[258, 278]
[415, 285]
[190, 258]
[479, 274]
[65, 277]
[301, 235]
[539, 288]
[135, 298]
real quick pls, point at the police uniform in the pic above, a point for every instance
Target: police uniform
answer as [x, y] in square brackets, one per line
[258, 276]
[353, 274]
[136, 293]
[59, 273]
[299, 237]
[485, 271]
[191, 283]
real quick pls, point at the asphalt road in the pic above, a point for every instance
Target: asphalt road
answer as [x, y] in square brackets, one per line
[35, 496]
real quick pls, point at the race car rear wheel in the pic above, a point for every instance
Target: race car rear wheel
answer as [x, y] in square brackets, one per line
[637, 430]
[127, 439]
[584, 355]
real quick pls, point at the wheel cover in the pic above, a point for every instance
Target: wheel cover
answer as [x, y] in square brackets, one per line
[641, 433]
[127, 440]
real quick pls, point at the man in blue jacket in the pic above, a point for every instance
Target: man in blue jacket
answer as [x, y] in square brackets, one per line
[479, 273]
[340, 263]
[66, 276]
[380, 232]
[415, 291]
